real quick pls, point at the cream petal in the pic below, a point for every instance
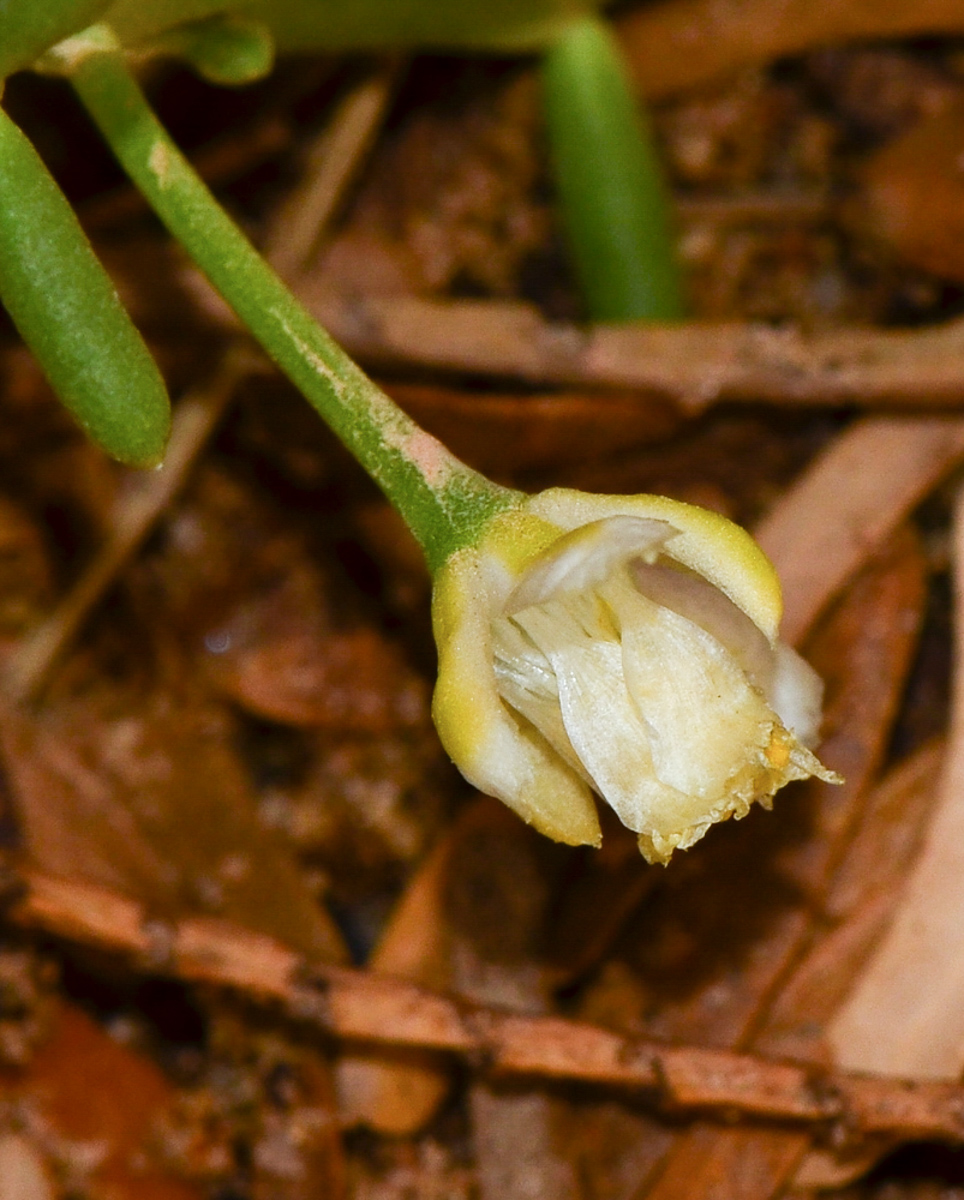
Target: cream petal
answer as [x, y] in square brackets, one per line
[527, 682]
[602, 724]
[796, 694]
[693, 597]
[791, 686]
[707, 543]
[586, 556]
[629, 656]
[704, 717]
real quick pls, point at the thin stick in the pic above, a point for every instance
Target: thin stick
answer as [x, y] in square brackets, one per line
[195, 419]
[334, 161]
[695, 364]
[358, 1006]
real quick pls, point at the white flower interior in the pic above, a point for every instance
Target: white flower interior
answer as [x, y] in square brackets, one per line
[652, 684]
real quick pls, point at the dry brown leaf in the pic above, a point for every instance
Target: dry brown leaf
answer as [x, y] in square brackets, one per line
[272, 659]
[681, 44]
[861, 901]
[904, 1014]
[146, 794]
[911, 195]
[847, 502]
[100, 1103]
[728, 1164]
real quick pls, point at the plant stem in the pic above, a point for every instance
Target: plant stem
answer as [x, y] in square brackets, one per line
[445, 502]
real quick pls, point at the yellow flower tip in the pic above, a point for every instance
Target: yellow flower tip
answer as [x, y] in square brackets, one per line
[778, 754]
[622, 646]
[496, 752]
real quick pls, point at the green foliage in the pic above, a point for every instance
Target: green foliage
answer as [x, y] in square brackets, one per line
[365, 24]
[444, 502]
[609, 179]
[29, 27]
[228, 50]
[67, 311]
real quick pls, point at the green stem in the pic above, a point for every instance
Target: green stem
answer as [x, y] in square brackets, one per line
[609, 179]
[445, 502]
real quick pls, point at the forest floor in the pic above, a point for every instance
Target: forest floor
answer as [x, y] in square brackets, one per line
[259, 940]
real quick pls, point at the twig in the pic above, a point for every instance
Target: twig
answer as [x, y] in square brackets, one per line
[333, 163]
[358, 1006]
[195, 418]
[771, 207]
[695, 364]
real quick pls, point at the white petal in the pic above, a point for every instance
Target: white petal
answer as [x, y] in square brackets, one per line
[600, 719]
[527, 682]
[496, 752]
[797, 695]
[705, 719]
[586, 556]
[693, 597]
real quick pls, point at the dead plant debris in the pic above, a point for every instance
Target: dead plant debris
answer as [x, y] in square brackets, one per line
[257, 939]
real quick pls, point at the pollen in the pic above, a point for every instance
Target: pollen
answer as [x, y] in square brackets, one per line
[778, 753]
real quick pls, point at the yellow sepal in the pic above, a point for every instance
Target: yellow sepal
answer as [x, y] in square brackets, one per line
[708, 543]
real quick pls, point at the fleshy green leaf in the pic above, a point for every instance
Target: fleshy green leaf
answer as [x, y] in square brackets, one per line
[67, 311]
[365, 24]
[29, 27]
[228, 50]
[609, 179]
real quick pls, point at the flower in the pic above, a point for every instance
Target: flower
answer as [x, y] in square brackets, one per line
[625, 646]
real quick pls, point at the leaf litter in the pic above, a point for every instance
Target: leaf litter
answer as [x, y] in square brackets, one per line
[221, 785]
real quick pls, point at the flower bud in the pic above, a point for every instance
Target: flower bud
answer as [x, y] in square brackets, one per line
[623, 646]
